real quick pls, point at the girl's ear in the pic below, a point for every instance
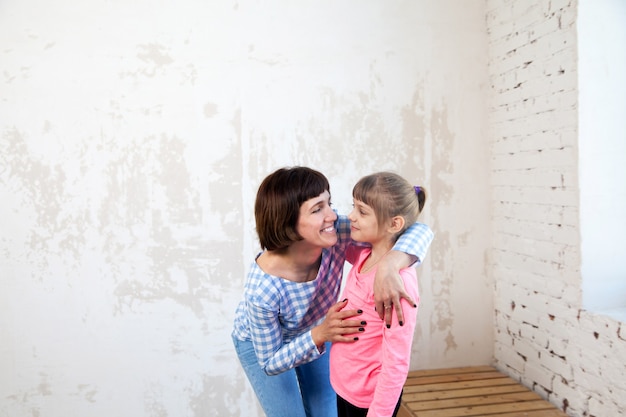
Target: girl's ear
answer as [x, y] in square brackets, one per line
[397, 224]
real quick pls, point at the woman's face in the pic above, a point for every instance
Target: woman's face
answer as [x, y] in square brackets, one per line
[316, 223]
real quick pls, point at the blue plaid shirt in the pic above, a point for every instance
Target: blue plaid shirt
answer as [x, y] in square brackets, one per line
[277, 315]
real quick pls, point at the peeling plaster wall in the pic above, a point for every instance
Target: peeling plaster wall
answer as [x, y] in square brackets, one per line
[133, 136]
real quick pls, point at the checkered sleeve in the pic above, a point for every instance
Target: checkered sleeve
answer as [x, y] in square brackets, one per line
[274, 353]
[415, 241]
[342, 225]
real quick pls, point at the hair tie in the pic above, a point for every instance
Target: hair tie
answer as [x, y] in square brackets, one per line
[417, 189]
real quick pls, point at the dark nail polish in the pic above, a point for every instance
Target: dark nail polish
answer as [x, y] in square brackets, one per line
[363, 323]
[415, 305]
[345, 299]
[356, 338]
[401, 323]
[359, 311]
[361, 329]
[389, 326]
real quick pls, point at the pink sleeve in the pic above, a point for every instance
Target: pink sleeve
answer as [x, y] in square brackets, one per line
[353, 253]
[397, 342]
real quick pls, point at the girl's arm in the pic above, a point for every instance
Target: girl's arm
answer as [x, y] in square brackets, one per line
[396, 355]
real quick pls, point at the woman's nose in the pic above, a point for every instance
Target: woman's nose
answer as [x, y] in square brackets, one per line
[331, 214]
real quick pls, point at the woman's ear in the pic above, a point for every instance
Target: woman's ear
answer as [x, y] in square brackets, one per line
[397, 224]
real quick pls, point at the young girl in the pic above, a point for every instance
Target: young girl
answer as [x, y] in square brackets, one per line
[368, 376]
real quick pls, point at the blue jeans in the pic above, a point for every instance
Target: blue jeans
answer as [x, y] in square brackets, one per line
[303, 391]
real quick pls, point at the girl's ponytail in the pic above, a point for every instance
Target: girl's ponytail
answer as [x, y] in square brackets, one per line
[420, 192]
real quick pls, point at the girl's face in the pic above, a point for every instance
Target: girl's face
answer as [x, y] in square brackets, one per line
[363, 223]
[316, 223]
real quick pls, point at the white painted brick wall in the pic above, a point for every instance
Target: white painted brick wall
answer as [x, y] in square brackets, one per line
[575, 359]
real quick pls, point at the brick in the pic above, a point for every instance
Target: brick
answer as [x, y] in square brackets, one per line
[600, 342]
[561, 333]
[539, 389]
[504, 337]
[538, 336]
[526, 349]
[509, 357]
[587, 374]
[538, 375]
[530, 246]
[563, 6]
[563, 392]
[529, 264]
[600, 408]
[540, 177]
[538, 213]
[598, 322]
[613, 374]
[539, 195]
[515, 144]
[560, 347]
[557, 365]
[545, 27]
[559, 309]
[552, 288]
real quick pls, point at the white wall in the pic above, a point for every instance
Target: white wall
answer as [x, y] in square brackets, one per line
[602, 146]
[132, 138]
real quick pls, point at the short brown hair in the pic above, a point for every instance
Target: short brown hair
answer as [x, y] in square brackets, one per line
[278, 201]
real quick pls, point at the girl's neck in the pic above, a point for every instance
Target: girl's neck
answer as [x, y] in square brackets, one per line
[379, 251]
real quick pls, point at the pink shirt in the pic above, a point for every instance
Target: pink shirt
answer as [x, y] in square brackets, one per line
[371, 372]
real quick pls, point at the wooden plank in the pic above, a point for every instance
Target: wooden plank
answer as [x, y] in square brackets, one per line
[448, 371]
[503, 380]
[474, 401]
[405, 411]
[554, 412]
[484, 410]
[459, 393]
[436, 379]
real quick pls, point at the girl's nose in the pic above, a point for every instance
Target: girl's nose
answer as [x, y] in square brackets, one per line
[351, 216]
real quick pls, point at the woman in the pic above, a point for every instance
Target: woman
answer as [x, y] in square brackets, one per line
[289, 314]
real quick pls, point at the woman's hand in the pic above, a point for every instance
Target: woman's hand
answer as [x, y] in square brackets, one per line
[336, 327]
[389, 287]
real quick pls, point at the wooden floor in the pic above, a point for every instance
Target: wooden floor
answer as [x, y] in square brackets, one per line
[470, 391]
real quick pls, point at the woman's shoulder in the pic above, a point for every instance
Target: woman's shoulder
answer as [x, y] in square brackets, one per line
[266, 287]
[260, 284]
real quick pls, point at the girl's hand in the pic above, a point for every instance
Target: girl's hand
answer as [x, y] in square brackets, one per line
[336, 327]
[389, 287]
